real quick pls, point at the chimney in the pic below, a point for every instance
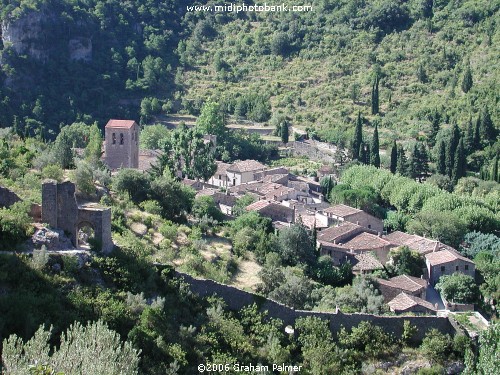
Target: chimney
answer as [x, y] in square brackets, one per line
[436, 246]
[379, 234]
[357, 222]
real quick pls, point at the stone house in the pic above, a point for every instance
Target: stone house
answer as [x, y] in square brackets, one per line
[220, 178]
[447, 262]
[416, 243]
[341, 212]
[243, 171]
[405, 303]
[273, 210]
[364, 263]
[121, 145]
[224, 201]
[408, 284]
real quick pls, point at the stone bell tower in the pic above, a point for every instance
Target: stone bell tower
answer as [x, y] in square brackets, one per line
[122, 144]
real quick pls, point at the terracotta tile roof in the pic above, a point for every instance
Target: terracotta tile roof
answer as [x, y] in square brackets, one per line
[246, 166]
[221, 169]
[445, 256]
[332, 233]
[309, 219]
[398, 238]
[204, 192]
[278, 178]
[404, 302]
[123, 124]
[365, 241]
[259, 205]
[417, 243]
[342, 210]
[365, 262]
[405, 282]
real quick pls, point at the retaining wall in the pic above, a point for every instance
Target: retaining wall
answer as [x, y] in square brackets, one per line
[236, 299]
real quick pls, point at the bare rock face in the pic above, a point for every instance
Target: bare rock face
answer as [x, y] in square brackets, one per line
[52, 239]
[80, 49]
[23, 35]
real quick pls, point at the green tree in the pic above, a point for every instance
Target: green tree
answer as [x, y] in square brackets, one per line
[358, 138]
[327, 184]
[487, 128]
[452, 148]
[489, 345]
[441, 158]
[174, 197]
[295, 245]
[133, 182]
[467, 80]
[152, 136]
[402, 164]
[407, 262]
[93, 349]
[444, 226]
[435, 119]
[212, 121]
[84, 177]
[284, 132]
[494, 170]
[469, 137]
[93, 150]
[460, 163]
[459, 288]
[62, 150]
[394, 157]
[205, 206]
[375, 95]
[374, 149]
[436, 346]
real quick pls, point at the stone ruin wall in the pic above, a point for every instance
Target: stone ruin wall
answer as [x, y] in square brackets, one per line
[236, 299]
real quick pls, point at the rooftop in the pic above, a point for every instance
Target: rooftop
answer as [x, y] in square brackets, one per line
[121, 124]
[342, 210]
[246, 166]
[221, 168]
[404, 302]
[365, 262]
[365, 241]
[405, 282]
[445, 256]
[332, 233]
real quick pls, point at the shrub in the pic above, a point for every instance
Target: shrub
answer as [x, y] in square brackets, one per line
[436, 346]
[53, 172]
[133, 182]
[151, 206]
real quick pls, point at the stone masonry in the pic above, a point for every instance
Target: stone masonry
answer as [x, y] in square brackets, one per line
[60, 210]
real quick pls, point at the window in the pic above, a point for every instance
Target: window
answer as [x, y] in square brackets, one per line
[466, 267]
[132, 136]
[114, 138]
[330, 252]
[121, 138]
[369, 226]
[456, 268]
[442, 268]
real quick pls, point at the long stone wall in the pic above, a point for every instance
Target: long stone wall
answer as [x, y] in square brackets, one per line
[236, 299]
[8, 197]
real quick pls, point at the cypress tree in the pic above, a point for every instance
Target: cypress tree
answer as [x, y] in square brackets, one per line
[452, 147]
[469, 137]
[467, 80]
[424, 160]
[441, 158]
[487, 129]
[477, 134]
[401, 167]
[367, 154]
[358, 138]
[413, 162]
[375, 101]
[494, 170]
[394, 157]
[284, 132]
[435, 119]
[374, 149]
[460, 162]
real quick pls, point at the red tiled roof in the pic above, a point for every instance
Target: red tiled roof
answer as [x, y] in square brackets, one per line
[123, 124]
[309, 220]
[409, 283]
[403, 302]
[246, 166]
[365, 262]
[445, 256]
[332, 233]
[259, 205]
[342, 210]
[221, 168]
[364, 241]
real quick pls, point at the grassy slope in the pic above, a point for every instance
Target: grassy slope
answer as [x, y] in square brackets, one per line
[313, 85]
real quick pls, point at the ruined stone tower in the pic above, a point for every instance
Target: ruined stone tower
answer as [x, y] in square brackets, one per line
[122, 144]
[61, 210]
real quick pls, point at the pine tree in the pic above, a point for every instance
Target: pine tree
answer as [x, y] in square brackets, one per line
[401, 167]
[374, 149]
[494, 170]
[467, 80]
[394, 157]
[284, 132]
[362, 153]
[421, 75]
[452, 147]
[375, 97]
[424, 160]
[358, 138]
[441, 158]
[460, 163]
[486, 128]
